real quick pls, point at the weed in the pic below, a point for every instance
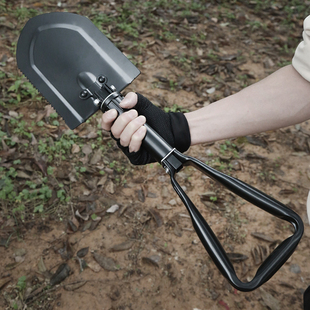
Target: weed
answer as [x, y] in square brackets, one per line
[3, 6]
[22, 89]
[21, 283]
[57, 149]
[213, 198]
[23, 13]
[175, 108]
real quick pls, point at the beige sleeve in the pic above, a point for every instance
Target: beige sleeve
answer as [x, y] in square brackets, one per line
[301, 59]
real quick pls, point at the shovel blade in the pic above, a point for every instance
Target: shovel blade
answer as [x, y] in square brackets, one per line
[55, 49]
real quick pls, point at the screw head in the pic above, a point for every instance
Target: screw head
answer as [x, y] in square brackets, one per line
[97, 102]
[84, 93]
[101, 79]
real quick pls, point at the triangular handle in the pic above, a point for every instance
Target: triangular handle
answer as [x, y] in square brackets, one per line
[275, 260]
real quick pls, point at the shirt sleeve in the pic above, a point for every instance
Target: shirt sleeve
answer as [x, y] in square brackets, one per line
[301, 59]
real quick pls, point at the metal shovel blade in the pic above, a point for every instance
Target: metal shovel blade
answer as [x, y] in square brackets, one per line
[55, 49]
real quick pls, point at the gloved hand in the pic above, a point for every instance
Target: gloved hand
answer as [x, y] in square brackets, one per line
[172, 127]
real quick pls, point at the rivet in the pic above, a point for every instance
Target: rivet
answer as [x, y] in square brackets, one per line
[101, 79]
[84, 93]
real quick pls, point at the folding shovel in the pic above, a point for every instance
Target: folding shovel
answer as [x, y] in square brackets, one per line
[79, 71]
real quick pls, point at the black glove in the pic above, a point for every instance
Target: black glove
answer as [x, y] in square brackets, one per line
[172, 127]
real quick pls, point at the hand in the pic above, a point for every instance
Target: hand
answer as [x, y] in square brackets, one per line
[128, 128]
[129, 132]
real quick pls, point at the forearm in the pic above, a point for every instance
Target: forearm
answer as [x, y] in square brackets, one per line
[280, 100]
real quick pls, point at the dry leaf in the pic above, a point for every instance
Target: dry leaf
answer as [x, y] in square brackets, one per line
[156, 216]
[74, 286]
[110, 188]
[60, 275]
[75, 149]
[96, 157]
[3, 282]
[87, 149]
[84, 218]
[122, 246]
[152, 260]
[106, 263]
[83, 252]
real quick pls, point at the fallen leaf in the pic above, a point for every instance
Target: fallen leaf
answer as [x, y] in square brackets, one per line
[60, 275]
[19, 259]
[97, 157]
[91, 135]
[267, 300]
[152, 260]
[256, 140]
[73, 224]
[236, 257]
[11, 266]
[141, 195]
[110, 188]
[83, 252]
[122, 246]
[49, 110]
[6, 153]
[75, 149]
[262, 236]
[177, 231]
[83, 217]
[156, 216]
[13, 114]
[82, 264]
[74, 286]
[87, 226]
[87, 149]
[41, 265]
[23, 175]
[3, 282]
[67, 251]
[106, 263]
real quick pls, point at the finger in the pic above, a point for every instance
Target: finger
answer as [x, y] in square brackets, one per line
[122, 121]
[131, 128]
[107, 119]
[136, 139]
[129, 101]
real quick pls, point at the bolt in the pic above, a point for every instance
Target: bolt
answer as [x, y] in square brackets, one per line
[97, 102]
[101, 79]
[84, 93]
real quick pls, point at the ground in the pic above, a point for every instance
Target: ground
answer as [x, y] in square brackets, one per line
[81, 228]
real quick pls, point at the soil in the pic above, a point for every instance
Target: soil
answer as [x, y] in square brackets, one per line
[125, 239]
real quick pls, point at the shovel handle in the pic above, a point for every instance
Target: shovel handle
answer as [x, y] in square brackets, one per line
[275, 260]
[153, 142]
[172, 160]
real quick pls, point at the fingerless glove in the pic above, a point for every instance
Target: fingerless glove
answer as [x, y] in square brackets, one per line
[172, 127]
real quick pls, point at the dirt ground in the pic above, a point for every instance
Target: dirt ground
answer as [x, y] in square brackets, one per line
[125, 240]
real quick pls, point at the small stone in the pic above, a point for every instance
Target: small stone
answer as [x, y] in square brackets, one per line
[172, 202]
[113, 209]
[295, 269]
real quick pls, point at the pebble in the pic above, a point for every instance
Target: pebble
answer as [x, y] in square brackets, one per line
[295, 269]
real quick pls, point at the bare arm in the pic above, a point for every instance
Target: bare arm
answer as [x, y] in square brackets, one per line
[280, 100]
